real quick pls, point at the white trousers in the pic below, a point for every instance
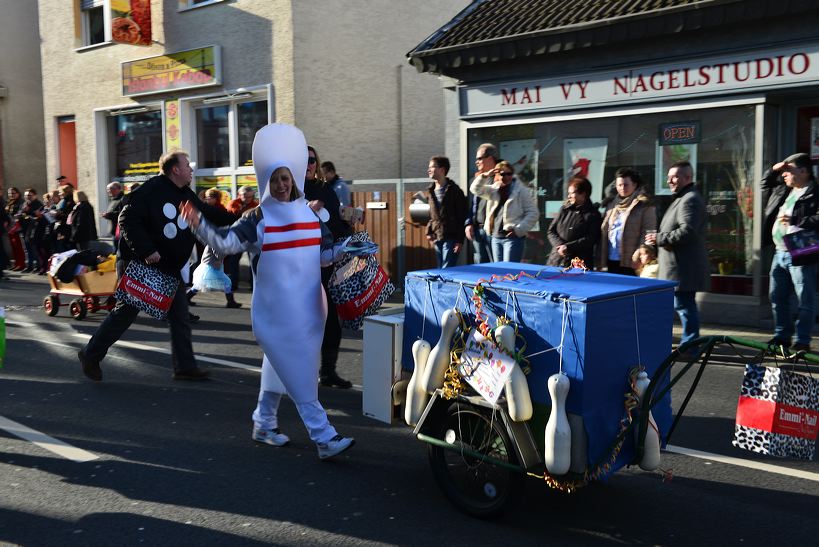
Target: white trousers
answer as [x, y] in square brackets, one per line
[265, 416]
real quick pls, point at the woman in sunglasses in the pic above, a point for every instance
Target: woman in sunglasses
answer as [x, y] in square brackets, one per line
[323, 200]
[511, 211]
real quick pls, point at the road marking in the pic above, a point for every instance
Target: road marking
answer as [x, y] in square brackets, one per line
[744, 463]
[20, 324]
[51, 444]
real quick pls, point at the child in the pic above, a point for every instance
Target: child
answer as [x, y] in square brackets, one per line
[209, 275]
[288, 308]
[646, 257]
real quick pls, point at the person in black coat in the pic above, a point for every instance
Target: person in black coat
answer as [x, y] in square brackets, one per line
[321, 195]
[576, 229]
[82, 222]
[153, 231]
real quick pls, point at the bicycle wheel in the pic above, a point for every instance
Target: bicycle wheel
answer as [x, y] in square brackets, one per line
[476, 485]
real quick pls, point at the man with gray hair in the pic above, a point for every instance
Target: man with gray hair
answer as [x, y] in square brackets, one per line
[486, 158]
[111, 214]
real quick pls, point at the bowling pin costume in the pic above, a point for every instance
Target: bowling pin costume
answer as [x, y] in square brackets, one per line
[288, 308]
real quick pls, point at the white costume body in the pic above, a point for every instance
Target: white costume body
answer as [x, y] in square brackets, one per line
[288, 307]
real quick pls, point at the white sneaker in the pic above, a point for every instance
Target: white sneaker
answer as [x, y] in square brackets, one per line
[270, 436]
[334, 446]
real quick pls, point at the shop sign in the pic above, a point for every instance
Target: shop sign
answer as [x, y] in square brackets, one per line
[679, 133]
[740, 72]
[182, 70]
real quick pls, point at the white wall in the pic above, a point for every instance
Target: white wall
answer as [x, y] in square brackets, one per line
[348, 58]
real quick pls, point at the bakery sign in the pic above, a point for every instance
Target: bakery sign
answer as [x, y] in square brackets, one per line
[189, 69]
[739, 72]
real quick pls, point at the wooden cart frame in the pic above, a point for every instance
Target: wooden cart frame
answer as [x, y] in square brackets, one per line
[88, 292]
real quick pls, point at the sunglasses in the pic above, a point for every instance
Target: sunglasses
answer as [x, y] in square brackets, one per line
[311, 160]
[505, 174]
[481, 158]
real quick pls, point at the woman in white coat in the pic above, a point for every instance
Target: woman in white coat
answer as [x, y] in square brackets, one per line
[288, 307]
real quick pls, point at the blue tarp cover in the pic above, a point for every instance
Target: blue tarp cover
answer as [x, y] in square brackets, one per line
[608, 323]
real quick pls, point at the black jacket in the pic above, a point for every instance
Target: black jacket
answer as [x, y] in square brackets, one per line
[315, 189]
[805, 213]
[112, 213]
[83, 223]
[149, 222]
[447, 217]
[579, 229]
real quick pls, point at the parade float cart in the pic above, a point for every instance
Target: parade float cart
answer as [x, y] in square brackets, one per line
[91, 291]
[606, 339]
[596, 329]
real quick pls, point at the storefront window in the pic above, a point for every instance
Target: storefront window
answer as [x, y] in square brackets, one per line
[224, 143]
[719, 143]
[251, 118]
[135, 145]
[212, 137]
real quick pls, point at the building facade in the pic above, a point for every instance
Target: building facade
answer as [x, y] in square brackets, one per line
[22, 148]
[732, 86]
[214, 71]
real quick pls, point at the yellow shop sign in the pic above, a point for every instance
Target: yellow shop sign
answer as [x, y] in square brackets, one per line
[182, 70]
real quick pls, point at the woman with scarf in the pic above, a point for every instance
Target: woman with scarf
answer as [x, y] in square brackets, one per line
[575, 231]
[629, 217]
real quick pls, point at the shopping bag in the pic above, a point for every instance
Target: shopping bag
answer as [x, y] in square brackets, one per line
[777, 413]
[147, 289]
[802, 242]
[359, 286]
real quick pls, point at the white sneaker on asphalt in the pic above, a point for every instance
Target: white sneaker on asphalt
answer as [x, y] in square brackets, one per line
[272, 437]
[334, 446]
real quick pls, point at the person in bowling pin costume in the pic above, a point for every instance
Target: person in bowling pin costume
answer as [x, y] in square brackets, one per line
[288, 306]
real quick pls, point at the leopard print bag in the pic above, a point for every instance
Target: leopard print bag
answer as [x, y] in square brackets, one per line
[777, 413]
[147, 289]
[359, 286]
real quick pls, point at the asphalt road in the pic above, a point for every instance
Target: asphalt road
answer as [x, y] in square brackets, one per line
[173, 463]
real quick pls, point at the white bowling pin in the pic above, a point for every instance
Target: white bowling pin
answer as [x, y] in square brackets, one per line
[399, 392]
[651, 449]
[416, 396]
[439, 360]
[517, 388]
[557, 450]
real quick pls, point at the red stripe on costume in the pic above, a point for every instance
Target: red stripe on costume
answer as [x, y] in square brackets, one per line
[291, 227]
[291, 244]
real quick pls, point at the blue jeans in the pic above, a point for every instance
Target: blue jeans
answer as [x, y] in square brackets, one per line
[685, 304]
[507, 249]
[481, 248]
[445, 253]
[787, 279]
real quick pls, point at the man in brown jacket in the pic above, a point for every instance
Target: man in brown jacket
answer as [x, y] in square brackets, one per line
[447, 212]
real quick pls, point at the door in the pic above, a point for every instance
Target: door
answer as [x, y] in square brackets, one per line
[67, 143]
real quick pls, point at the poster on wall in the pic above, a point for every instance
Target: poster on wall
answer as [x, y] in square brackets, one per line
[814, 138]
[523, 155]
[131, 22]
[586, 158]
[666, 156]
